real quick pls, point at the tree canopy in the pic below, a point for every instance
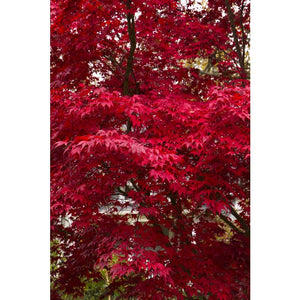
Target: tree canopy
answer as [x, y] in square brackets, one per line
[150, 150]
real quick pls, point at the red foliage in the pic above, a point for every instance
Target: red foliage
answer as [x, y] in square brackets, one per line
[151, 138]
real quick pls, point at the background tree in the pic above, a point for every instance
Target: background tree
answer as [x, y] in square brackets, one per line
[150, 118]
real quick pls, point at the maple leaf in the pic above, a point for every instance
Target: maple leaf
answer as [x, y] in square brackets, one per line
[150, 145]
[164, 175]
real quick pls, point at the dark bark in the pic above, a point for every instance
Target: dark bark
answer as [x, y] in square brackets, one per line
[240, 219]
[235, 37]
[231, 224]
[132, 39]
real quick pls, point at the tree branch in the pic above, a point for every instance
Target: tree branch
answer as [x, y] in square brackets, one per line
[240, 219]
[243, 32]
[235, 36]
[128, 125]
[114, 62]
[134, 185]
[132, 39]
[121, 192]
[231, 224]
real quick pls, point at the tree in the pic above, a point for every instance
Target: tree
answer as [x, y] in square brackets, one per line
[150, 119]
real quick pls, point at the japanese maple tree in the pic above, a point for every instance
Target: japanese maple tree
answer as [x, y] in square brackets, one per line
[150, 148]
